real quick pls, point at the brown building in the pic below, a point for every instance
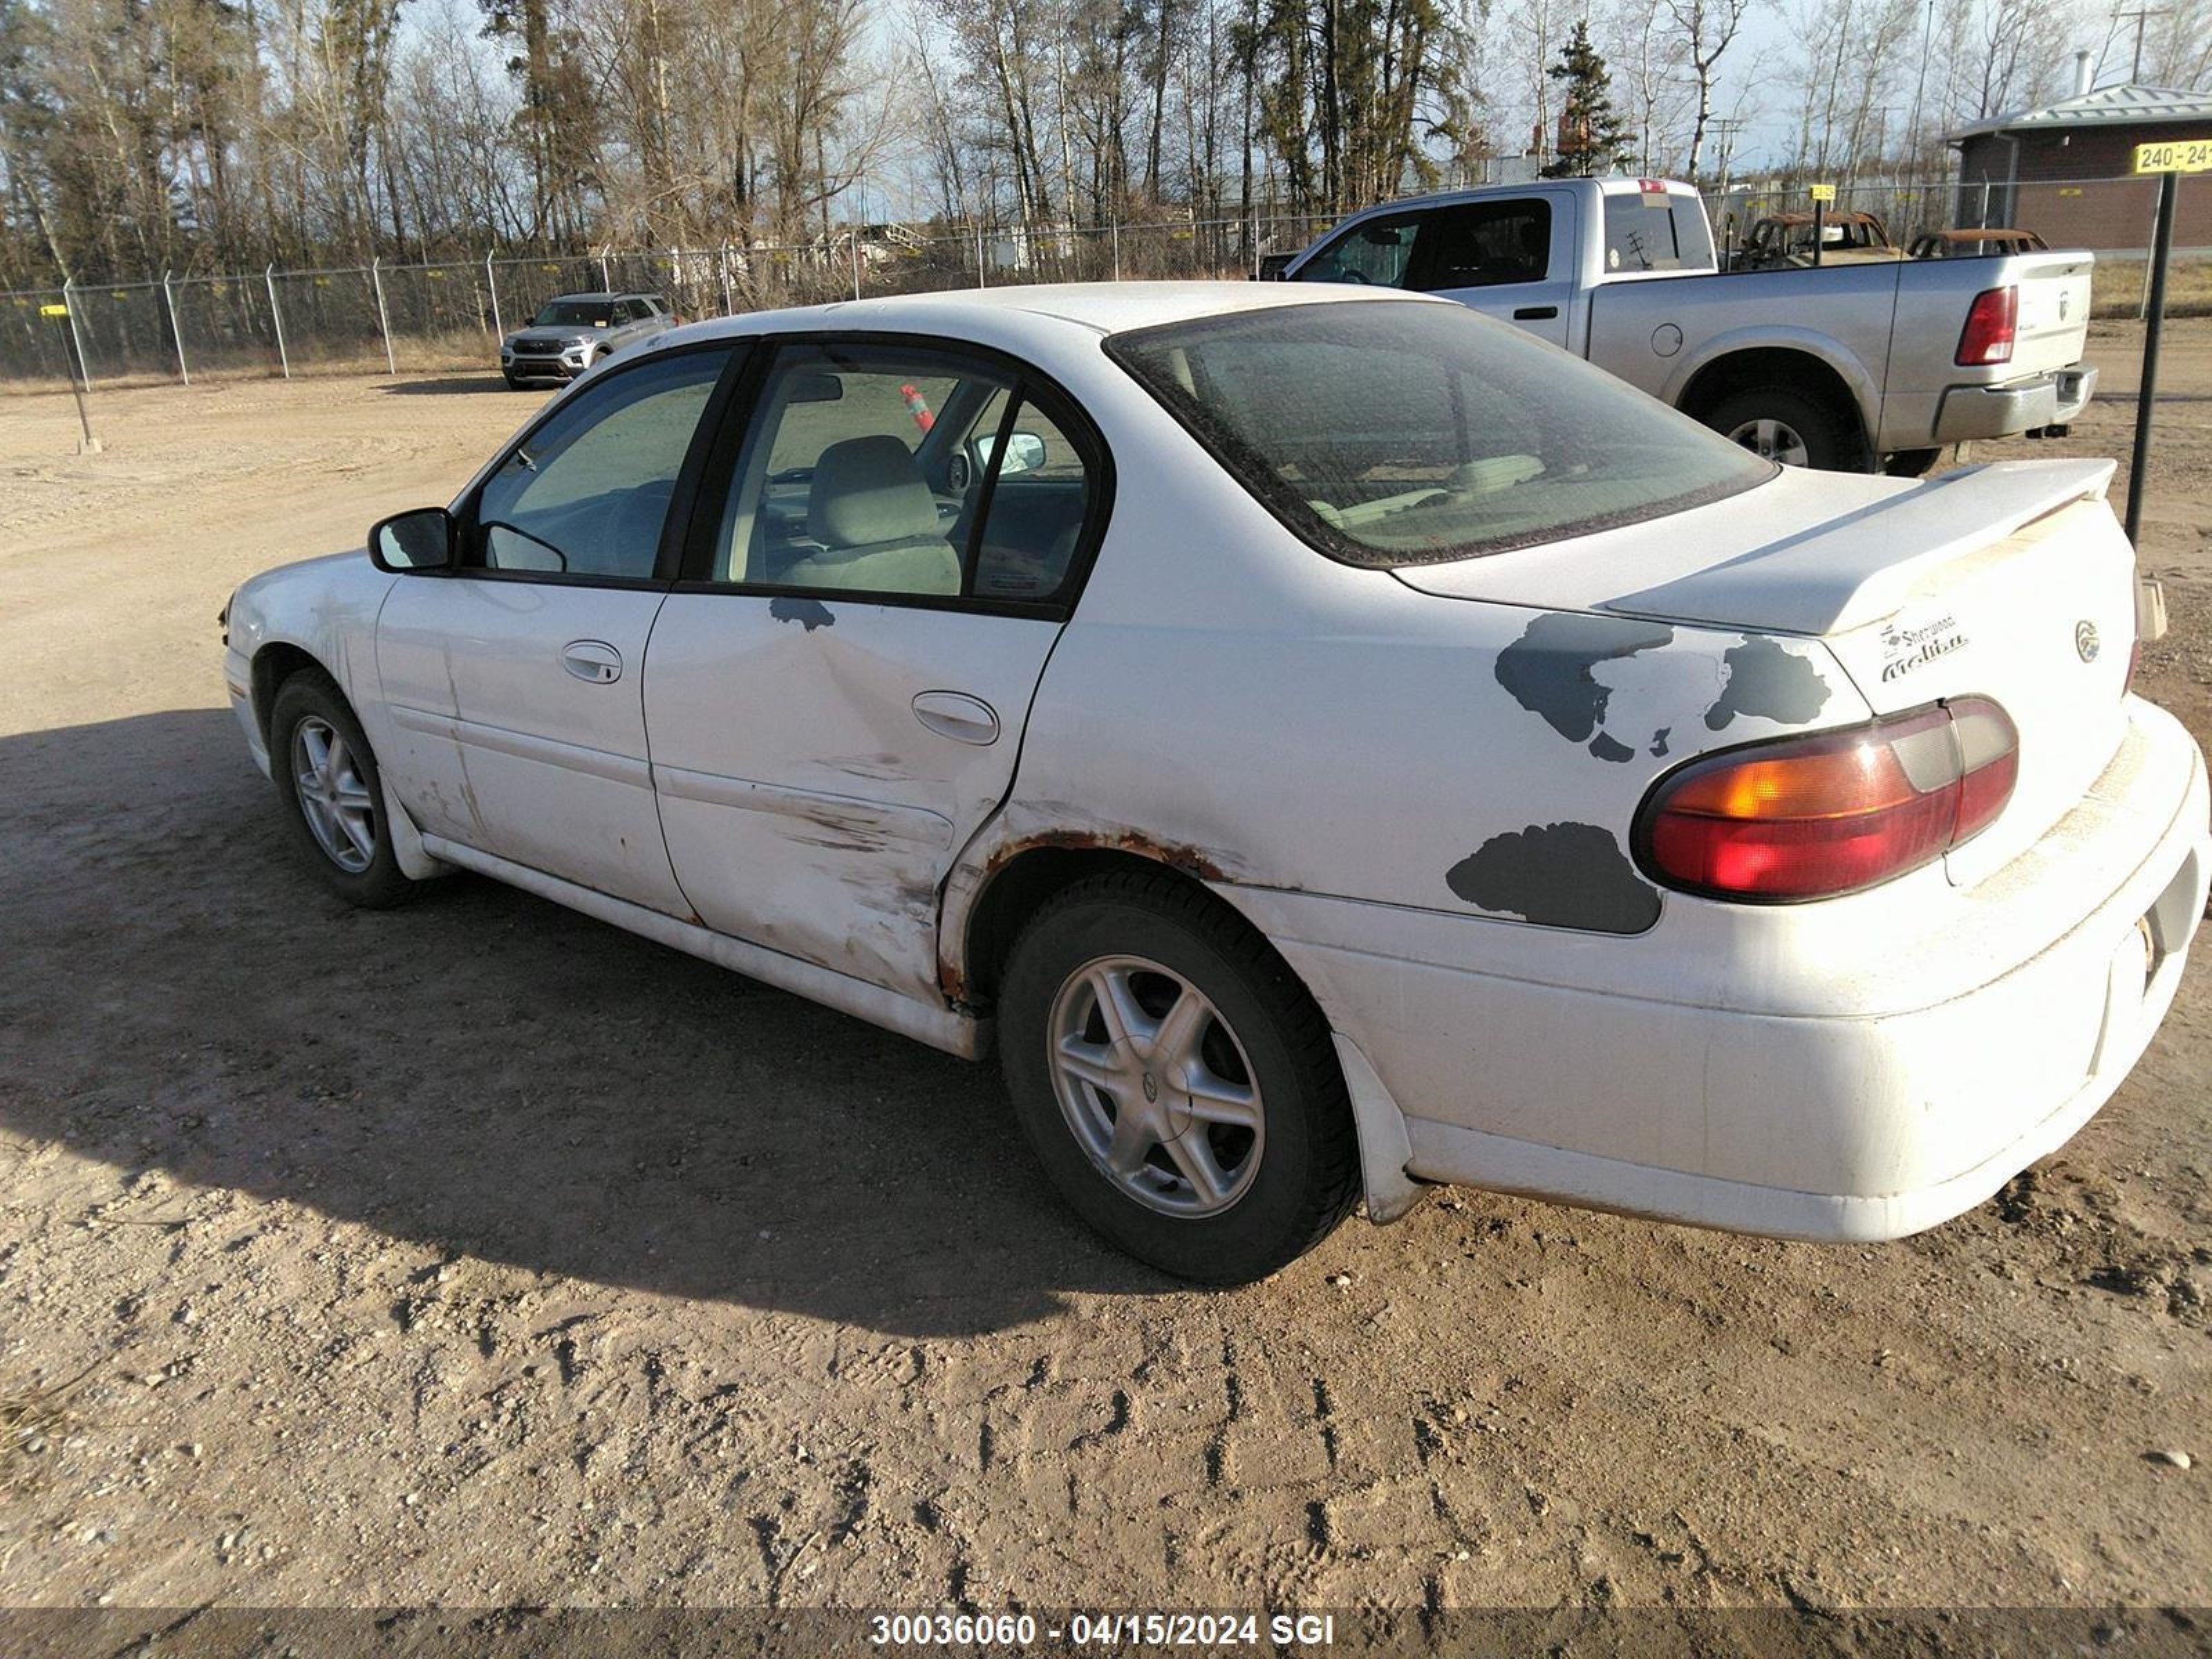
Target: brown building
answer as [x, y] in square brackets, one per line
[2062, 171]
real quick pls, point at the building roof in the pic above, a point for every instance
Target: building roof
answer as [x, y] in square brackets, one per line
[2107, 107]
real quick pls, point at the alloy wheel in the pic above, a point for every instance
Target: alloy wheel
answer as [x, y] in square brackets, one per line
[1155, 1087]
[334, 798]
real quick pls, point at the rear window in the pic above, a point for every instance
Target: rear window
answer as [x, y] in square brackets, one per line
[1656, 233]
[1393, 433]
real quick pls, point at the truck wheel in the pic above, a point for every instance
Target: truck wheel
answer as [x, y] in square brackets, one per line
[1784, 426]
[1175, 1080]
[1912, 462]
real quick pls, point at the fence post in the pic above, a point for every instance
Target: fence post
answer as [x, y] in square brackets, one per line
[979, 282]
[854, 234]
[491, 282]
[722, 265]
[276, 316]
[77, 335]
[383, 318]
[1117, 247]
[176, 333]
[607, 280]
[1983, 222]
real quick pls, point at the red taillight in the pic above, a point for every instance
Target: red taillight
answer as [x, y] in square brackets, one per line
[1991, 324]
[1810, 817]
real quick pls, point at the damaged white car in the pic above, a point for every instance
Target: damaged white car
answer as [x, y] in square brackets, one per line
[1326, 741]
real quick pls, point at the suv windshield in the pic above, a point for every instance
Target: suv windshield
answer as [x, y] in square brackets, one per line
[575, 313]
[1391, 433]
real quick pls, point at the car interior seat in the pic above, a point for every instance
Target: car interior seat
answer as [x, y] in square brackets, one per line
[876, 521]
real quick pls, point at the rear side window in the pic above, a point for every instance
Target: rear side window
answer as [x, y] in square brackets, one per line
[1395, 433]
[1670, 235]
[1483, 244]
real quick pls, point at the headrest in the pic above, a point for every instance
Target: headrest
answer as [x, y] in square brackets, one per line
[868, 490]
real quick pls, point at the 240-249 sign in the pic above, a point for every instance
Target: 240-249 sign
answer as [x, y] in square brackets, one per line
[2179, 155]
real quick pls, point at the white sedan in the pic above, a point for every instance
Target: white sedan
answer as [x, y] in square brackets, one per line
[1325, 741]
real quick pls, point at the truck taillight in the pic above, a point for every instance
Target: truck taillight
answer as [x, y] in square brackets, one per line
[1811, 817]
[1991, 322]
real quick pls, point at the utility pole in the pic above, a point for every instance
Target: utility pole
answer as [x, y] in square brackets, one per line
[2141, 17]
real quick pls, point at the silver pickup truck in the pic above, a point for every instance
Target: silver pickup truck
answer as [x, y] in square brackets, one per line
[1851, 366]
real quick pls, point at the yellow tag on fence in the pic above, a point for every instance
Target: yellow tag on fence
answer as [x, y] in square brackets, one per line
[53, 311]
[1823, 193]
[2180, 155]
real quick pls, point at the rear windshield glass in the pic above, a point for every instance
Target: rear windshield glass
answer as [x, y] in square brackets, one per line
[1656, 233]
[1391, 432]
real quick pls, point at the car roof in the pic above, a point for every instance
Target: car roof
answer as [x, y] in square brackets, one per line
[606, 294]
[1098, 308]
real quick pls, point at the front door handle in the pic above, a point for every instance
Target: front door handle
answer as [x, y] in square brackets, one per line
[1535, 314]
[593, 661]
[957, 716]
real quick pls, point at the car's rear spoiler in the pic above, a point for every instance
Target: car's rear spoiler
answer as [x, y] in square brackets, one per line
[1859, 568]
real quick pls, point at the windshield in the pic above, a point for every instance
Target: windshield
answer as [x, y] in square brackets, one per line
[1390, 432]
[575, 313]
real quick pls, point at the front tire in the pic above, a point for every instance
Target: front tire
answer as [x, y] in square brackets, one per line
[1175, 1080]
[1784, 426]
[333, 794]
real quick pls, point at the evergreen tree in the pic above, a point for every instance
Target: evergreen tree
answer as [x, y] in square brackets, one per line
[1592, 137]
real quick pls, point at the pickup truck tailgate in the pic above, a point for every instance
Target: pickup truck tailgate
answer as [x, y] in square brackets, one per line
[2052, 328]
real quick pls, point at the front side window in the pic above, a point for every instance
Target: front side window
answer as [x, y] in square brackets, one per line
[587, 493]
[1485, 243]
[900, 471]
[1395, 433]
[1379, 253]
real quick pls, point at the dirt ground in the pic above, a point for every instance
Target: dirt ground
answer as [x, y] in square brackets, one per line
[479, 1254]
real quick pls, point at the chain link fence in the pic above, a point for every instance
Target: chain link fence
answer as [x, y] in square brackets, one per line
[449, 316]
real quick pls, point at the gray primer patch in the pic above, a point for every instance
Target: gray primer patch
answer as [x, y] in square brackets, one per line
[1559, 875]
[811, 613]
[1659, 739]
[1765, 679]
[1547, 670]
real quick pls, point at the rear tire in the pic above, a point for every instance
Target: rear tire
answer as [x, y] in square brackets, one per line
[1213, 1138]
[326, 777]
[1788, 426]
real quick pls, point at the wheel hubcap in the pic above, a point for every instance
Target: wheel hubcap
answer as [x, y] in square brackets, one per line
[1773, 441]
[1155, 1086]
[333, 797]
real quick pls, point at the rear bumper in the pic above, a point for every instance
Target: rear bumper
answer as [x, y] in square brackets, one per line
[1968, 412]
[1841, 1122]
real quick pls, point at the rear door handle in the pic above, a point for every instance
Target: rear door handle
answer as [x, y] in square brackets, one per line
[1535, 314]
[957, 716]
[593, 661]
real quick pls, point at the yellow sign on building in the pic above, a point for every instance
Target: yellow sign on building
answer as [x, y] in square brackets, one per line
[2180, 156]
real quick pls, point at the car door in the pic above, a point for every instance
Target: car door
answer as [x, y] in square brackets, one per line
[883, 556]
[1512, 258]
[515, 681]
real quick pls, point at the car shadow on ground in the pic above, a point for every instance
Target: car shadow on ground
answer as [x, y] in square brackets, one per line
[484, 1072]
[490, 381]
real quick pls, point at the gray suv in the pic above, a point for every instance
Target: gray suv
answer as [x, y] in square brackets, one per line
[575, 331]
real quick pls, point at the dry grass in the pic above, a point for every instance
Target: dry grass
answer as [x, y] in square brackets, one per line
[2117, 288]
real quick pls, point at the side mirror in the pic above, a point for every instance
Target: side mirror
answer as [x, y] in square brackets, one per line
[420, 539]
[1024, 451]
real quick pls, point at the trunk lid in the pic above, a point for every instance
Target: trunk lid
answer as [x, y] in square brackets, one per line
[2012, 581]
